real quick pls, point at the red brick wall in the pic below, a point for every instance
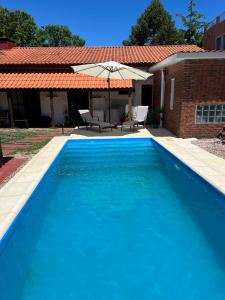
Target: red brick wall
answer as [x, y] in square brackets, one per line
[211, 35]
[196, 82]
[188, 126]
[204, 83]
[172, 117]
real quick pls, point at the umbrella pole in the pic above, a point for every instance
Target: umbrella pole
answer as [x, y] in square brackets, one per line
[109, 99]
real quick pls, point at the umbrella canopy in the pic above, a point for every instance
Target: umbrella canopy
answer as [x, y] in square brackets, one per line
[112, 70]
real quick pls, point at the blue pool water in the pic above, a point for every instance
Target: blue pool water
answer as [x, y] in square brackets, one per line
[116, 220]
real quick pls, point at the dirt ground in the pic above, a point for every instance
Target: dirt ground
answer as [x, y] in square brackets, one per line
[212, 145]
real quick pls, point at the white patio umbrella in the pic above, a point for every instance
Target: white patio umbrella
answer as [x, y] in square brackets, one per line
[112, 70]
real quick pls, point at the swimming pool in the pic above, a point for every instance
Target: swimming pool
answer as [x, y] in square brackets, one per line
[116, 219]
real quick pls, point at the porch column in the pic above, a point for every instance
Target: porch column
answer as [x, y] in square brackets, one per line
[11, 116]
[51, 98]
[130, 104]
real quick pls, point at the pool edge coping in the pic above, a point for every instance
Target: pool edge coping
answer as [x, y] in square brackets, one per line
[17, 191]
[199, 167]
[19, 188]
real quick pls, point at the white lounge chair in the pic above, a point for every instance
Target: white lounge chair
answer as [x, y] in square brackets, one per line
[90, 121]
[139, 115]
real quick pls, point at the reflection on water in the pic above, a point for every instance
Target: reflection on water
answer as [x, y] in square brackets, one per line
[117, 220]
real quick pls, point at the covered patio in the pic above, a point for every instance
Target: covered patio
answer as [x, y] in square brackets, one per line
[53, 99]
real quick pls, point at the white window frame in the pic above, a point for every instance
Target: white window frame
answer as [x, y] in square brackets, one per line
[210, 114]
[172, 90]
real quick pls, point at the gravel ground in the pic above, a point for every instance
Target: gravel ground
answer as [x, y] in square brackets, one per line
[213, 146]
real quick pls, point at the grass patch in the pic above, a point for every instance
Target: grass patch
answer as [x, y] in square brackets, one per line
[35, 148]
[12, 136]
[9, 136]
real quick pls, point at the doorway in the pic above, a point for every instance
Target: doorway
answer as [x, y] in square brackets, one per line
[146, 95]
[77, 99]
[32, 107]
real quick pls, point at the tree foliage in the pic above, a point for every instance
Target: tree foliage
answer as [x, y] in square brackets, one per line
[17, 25]
[4, 22]
[154, 27]
[21, 27]
[194, 23]
[57, 35]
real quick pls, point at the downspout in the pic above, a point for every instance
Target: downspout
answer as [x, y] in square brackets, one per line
[162, 96]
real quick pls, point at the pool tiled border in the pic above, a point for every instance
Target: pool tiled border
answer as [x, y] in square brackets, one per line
[206, 165]
[15, 193]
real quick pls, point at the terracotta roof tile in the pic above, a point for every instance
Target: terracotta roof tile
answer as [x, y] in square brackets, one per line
[57, 81]
[83, 55]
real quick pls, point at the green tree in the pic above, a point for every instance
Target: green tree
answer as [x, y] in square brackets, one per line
[17, 25]
[57, 35]
[194, 24]
[4, 22]
[21, 27]
[154, 27]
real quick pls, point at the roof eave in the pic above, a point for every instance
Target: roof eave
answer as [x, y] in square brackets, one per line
[178, 57]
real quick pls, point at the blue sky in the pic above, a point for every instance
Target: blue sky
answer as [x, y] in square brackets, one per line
[100, 22]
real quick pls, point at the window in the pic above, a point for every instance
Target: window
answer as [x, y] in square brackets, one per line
[218, 43]
[172, 86]
[223, 42]
[206, 114]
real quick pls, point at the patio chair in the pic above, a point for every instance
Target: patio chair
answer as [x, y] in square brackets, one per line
[139, 115]
[89, 121]
[221, 135]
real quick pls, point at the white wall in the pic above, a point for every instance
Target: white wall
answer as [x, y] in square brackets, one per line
[3, 101]
[60, 105]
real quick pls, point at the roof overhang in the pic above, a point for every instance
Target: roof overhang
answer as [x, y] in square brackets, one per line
[58, 81]
[178, 57]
